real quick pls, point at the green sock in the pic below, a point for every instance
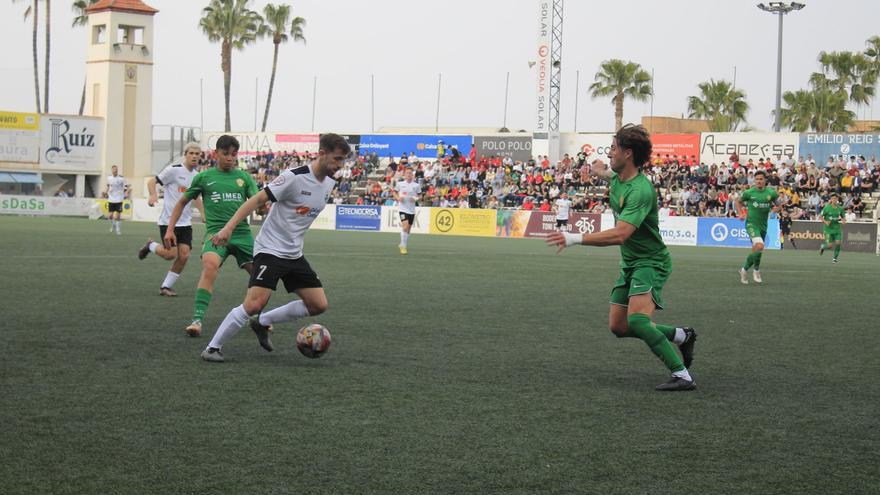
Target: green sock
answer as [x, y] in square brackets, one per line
[641, 327]
[203, 299]
[750, 260]
[836, 250]
[667, 331]
[758, 260]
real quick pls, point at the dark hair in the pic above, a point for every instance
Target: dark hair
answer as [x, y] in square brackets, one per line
[636, 138]
[761, 172]
[334, 142]
[225, 142]
[834, 195]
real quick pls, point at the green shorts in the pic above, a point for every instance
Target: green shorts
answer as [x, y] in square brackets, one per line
[240, 245]
[833, 235]
[640, 280]
[755, 231]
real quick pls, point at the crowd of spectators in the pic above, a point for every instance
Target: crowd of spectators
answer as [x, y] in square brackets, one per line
[684, 185]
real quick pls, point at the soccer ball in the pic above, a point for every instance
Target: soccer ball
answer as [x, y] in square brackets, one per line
[313, 340]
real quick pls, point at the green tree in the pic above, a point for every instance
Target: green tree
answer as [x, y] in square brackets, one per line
[724, 106]
[850, 74]
[277, 24]
[81, 19]
[32, 12]
[235, 26]
[819, 109]
[620, 79]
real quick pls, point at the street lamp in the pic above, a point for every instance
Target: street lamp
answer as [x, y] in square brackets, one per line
[779, 8]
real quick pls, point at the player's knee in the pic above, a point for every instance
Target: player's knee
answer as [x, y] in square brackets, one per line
[183, 257]
[759, 247]
[316, 307]
[167, 254]
[253, 306]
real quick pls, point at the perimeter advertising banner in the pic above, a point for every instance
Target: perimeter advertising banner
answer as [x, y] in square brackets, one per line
[19, 137]
[463, 221]
[859, 237]
[353, 217]
[424, 146]
[326, 220]
[391, 220]
[717, 147]
[263, 142]
[518, 148]
[38, 205]
[71, 143]
[596, 146]
[731, 232]
[679, 231]
[821, 146]
[675, 145]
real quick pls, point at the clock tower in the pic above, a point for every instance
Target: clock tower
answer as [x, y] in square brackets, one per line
[119, 86]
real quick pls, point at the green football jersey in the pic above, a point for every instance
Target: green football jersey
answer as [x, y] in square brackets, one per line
[759, 202]
[222, 193]
[635, 202]
[833, 214]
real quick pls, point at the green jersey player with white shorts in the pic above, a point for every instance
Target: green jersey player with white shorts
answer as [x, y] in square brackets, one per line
[223, 190]
[645, 262]
[760, 200]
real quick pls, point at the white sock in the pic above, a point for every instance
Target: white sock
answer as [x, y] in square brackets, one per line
[404, 237]
[680, 336]
[153, 246]
[170, 278]
[230, 326]
[683, 374]
[289, 312]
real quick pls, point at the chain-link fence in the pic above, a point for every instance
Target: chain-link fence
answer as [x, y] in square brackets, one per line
[169, 141]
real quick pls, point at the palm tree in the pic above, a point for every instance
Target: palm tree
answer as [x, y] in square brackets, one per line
[34, 10]
[277, 22]
[850, 74]
[724, 106]
[234, 25]
[820, 110]
[81, 19]
[46, 65]
[621, 79]
[873, 51]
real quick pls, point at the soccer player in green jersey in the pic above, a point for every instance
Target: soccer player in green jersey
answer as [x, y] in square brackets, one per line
[645, 262]
[832, 216]
[761, 200]
[223, 189]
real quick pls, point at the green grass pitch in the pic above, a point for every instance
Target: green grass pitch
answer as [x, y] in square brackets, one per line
[469, 366]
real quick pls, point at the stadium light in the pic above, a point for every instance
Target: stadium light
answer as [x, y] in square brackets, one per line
[780, 9]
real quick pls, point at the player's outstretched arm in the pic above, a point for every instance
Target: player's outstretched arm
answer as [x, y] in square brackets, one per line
[254, 202]
[611, 237]
[200, 205]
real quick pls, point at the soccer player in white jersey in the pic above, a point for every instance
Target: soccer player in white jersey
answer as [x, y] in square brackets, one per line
[406, 193]
[563, 207]
[175, 180]
[117, 190]
[299, 195]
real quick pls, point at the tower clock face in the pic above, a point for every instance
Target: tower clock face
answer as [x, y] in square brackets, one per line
[131, 73]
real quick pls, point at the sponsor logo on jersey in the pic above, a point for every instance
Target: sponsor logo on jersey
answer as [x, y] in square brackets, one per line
[306, 193]
[278, 181]
[308, 212]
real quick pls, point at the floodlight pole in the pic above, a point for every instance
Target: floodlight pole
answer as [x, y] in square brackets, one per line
[780, 9]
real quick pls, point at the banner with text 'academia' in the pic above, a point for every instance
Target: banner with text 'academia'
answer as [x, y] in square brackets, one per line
[463, 221]
[252, 143]
[821, 146]
[731, 232]
[717, 147]
[353, 217]
[424, 146]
